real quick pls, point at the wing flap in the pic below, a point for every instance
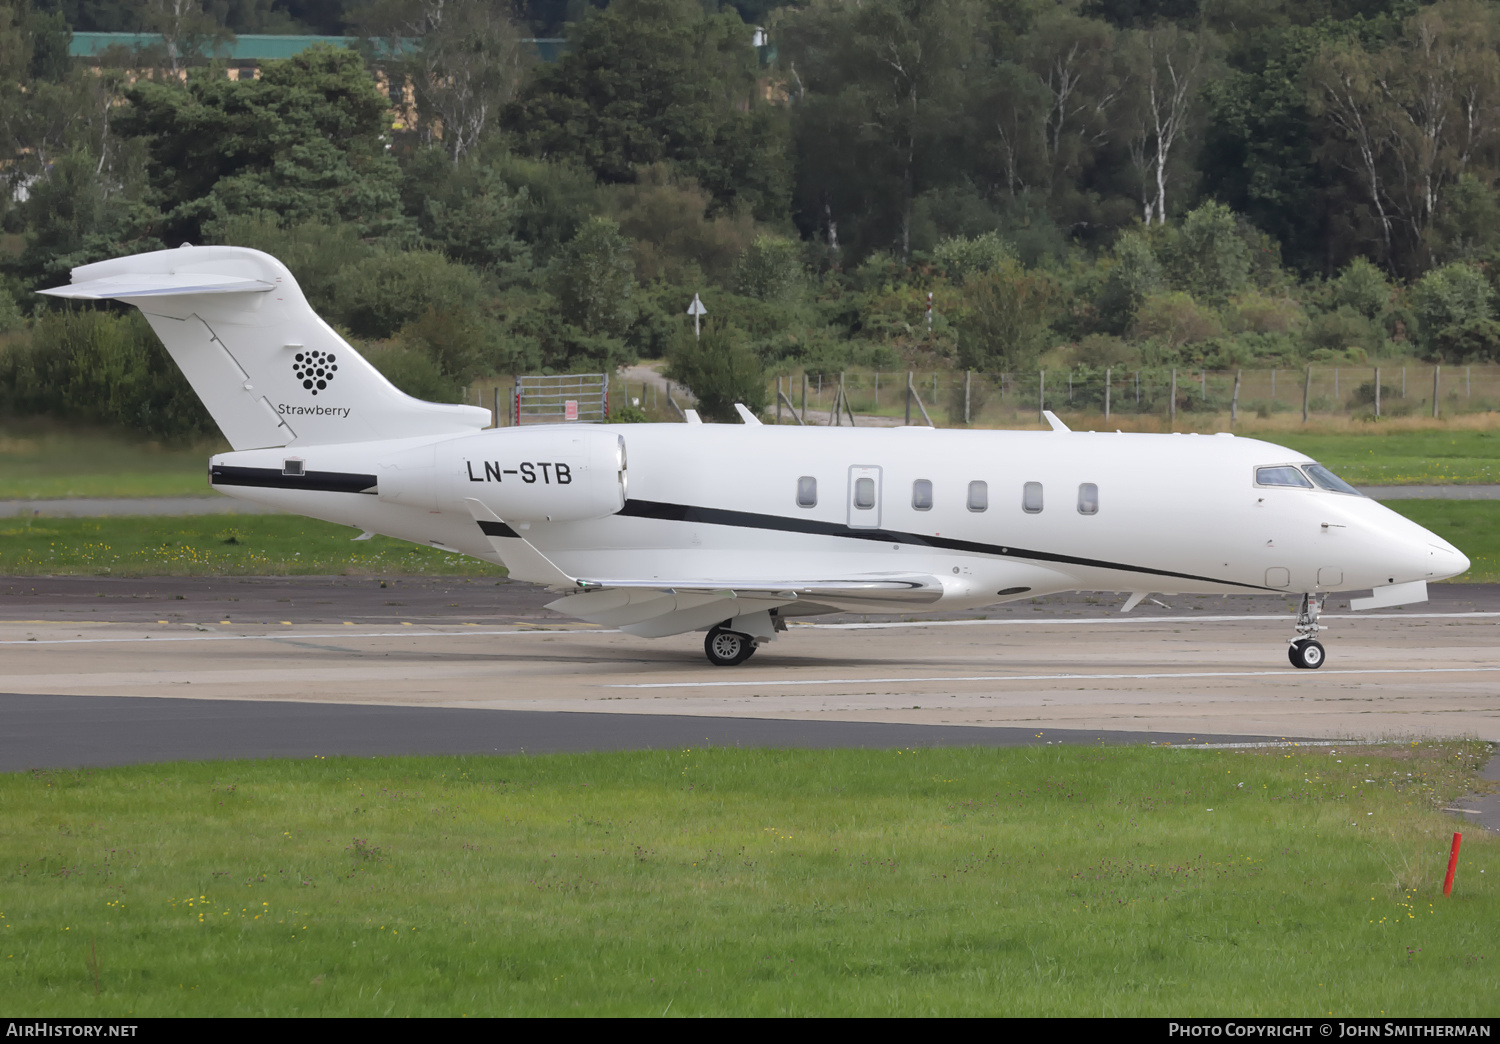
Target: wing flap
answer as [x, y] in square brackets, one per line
[891, 588]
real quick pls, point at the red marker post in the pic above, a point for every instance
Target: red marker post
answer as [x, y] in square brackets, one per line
[1452, 864]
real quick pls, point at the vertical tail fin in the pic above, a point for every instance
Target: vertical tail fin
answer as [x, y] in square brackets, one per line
[269, 370]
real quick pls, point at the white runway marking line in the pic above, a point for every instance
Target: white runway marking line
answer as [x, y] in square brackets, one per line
[284, 635]
[770, 683]
[585, 629]
[1137, 619]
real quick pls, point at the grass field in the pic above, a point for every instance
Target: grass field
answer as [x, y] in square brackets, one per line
[1472, 526]
[214, 545]
[281, 545]
[1038, 881]
[1404, 458]
[44, 461]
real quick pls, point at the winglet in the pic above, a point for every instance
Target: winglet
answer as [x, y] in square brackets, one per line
[691, 416]
[745, 414]
[1052, 419]
[520, 556]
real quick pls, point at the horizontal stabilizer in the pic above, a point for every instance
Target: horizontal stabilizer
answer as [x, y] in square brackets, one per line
[159, 284]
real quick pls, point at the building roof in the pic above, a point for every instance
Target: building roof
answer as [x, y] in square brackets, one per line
[256, 47]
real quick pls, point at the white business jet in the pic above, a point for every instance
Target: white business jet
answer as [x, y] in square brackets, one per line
[733, 529]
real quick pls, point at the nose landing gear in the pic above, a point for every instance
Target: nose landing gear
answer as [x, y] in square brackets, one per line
[1306, 652]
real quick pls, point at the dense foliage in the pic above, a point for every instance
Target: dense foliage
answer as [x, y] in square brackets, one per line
[1097, 184]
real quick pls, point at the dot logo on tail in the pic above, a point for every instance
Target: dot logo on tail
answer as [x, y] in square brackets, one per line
[314, 369]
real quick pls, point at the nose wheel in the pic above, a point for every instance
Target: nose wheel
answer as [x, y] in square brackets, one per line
[727, 648]
[1306, 652]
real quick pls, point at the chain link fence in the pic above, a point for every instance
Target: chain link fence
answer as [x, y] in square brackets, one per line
[955, 398]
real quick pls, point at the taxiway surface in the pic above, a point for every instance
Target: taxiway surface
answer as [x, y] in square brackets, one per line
[1068, 667]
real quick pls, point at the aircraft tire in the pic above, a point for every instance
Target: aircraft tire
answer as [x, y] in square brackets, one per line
[1306, 654]
[726, 648]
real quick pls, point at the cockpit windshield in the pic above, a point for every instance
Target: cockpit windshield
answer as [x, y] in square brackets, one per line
[1282, 475]
[1329, 481]
[1297, 476]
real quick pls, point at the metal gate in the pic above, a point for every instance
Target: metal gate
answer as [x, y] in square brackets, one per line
[565, 399]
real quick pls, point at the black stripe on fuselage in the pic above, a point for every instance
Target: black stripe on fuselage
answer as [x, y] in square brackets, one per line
[274, 478]
[780, 523]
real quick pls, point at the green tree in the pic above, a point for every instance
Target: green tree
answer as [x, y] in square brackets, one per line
[652, 80]
[306, 141]
[878, 86]
[73, 216]
[466, 64]
[595, 279]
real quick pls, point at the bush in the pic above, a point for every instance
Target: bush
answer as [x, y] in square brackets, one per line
[414, 372]
[1363, 288]
[1345, 328]
[1135, 275]
[1452, 296]
[770, 269]
[103, 368]
[1174, 320]
[961, 257]
[1006, 312]
[1207, 255]
[388, 289]
[720, 370]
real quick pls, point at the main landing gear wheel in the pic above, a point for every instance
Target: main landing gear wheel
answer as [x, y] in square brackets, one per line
[1306, 654]
[727, 648]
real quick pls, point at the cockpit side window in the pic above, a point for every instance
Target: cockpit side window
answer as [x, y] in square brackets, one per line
[1281, 475]
[1329, 481]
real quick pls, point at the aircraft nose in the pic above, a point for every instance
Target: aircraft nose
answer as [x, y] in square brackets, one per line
[1441, 559]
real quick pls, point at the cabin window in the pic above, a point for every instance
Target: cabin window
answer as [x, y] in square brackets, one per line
[292, 466]
[807, 491]
[1031, 498]
[864, 493]
[921, 494]
[979, 496]
[1088, 499]
[1328, 480]
[1284, 475]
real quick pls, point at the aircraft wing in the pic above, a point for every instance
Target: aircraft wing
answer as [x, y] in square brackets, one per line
[660, 606]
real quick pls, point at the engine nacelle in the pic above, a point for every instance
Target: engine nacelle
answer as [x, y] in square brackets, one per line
[553, 474]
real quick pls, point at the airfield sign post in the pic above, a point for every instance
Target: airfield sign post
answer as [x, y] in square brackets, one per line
[697, 311]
